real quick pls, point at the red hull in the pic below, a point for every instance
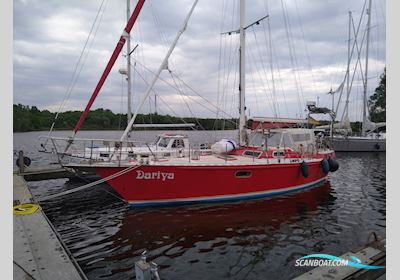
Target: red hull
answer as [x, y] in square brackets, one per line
[150, 185]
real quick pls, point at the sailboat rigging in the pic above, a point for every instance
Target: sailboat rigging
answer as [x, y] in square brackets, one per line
[346, 141]
[173, 171]
[110, 64]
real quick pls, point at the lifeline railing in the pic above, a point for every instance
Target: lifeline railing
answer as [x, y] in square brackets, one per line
[90, 151]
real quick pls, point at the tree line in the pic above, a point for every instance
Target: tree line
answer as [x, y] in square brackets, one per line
[30, 118]
[26, 118]
[377, 101]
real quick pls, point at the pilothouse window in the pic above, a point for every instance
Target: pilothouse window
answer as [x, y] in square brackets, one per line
[301, 137]
[178, 143]
[287, 141]
[163, 143]
[274, 139]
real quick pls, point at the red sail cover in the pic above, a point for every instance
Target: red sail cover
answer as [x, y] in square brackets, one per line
[270, 123]
[111, 62]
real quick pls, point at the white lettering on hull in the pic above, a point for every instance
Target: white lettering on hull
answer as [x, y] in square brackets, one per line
[154, 175]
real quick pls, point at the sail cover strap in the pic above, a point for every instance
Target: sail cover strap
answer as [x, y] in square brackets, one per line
[111, 62]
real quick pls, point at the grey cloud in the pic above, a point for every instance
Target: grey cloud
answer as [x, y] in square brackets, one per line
[44, 60]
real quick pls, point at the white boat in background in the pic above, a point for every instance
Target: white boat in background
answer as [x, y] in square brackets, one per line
[359, 143]
[370, 139]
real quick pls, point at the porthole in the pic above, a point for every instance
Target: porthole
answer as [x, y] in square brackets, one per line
[243, 174]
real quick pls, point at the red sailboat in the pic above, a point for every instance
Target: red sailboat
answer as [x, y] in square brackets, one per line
[275, 161]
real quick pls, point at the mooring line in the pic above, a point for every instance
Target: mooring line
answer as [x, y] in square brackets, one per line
[88, 181]
[122, 172]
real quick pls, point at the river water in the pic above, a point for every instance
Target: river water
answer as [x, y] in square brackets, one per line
[257, 239]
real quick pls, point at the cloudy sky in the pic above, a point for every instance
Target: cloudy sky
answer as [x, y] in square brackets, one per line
[295, 55]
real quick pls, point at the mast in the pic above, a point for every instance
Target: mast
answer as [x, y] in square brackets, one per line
[162, 67]
[155, 104]
[242, 82]
[364, 123]
[333, 112]
[346, 113]
[110, 64]
[243, 138]
[128, 62]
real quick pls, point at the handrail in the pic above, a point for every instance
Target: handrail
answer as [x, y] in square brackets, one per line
[94, 139]
[103, 150]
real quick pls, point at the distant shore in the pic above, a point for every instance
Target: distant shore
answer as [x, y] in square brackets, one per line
[30, 118]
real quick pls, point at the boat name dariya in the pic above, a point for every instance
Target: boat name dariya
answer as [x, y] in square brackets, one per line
[155, 175]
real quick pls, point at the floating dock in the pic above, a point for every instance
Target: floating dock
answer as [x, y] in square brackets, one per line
[46, 173]
[39, 252]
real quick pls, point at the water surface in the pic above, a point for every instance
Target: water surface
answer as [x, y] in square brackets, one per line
[257, 239]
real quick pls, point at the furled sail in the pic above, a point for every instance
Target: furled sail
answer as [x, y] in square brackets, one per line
[342, 126]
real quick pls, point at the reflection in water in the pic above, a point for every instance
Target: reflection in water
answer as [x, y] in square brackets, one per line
[207, 222]
[202, 230]
[258, 239]
[232, 239]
